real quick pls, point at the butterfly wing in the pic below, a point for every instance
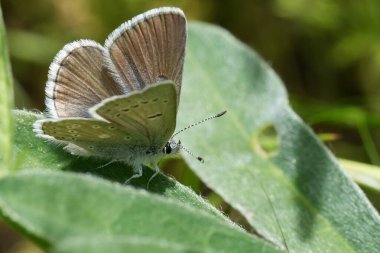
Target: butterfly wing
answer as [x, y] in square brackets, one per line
[93, 137]
[77, 80]
[151, 112]
[148, 49]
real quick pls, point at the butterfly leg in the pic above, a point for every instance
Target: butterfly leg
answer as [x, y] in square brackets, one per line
[137, 173]
[104, 165]
[157, 170]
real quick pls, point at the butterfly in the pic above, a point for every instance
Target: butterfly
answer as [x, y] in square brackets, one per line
[120, 101]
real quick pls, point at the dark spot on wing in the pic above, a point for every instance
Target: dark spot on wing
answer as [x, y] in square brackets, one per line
[155, 115]
[162, 77]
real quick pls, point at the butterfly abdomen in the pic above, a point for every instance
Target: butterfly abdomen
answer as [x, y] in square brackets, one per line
[131, 155]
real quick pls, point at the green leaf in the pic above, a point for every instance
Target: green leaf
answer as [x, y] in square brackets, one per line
[6, 104]
[55, 206]
[318, 207]
[116, 245]
[364, 174]
[33, 152]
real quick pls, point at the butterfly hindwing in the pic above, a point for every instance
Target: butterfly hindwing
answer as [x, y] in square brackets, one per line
[86, 130]
[151, 112]
[93, 137]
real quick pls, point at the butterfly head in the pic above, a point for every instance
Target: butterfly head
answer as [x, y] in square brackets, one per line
[172, 147]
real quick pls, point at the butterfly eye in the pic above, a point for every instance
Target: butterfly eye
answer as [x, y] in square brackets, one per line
[167, 148]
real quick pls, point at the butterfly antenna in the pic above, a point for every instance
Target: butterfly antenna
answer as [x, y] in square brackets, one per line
[276, 217]
[199, 122]
[191, 153]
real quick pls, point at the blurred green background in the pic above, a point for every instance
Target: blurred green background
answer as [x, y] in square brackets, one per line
[327, 53]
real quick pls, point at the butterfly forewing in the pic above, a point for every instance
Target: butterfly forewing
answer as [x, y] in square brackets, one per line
[88, 130]
[152, 112]
[94, 137]
[148, 49]
[78, 80]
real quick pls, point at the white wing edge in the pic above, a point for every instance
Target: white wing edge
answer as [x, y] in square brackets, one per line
[68, 147]
[37, 127]
[126, 26]
[56, 65]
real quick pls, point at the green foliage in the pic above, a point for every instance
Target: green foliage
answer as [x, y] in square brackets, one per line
[364, 174]
[55, 206]
[309, 190]
[134, 245]
[6, 104]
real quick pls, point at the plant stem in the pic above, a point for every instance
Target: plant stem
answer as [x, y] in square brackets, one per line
[6, 104]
